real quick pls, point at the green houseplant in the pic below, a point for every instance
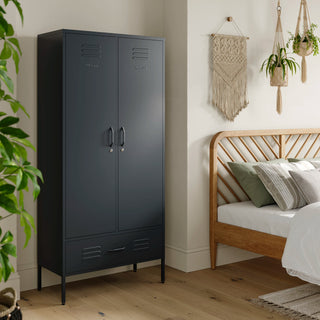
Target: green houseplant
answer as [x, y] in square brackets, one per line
[277, 67]
[305, 44]
[16, 172]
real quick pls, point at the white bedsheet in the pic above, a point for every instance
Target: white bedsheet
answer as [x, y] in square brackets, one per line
[269, 219]
[301, 256]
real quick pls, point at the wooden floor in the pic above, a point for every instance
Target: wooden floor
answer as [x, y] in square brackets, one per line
[223, 293]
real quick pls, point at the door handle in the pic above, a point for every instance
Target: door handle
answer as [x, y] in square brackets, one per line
[111, 139]
[116, 250]
[123, 138]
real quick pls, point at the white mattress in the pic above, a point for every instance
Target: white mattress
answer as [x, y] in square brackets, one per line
[269, 219]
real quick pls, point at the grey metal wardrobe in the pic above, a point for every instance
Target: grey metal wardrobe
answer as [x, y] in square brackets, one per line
[101, 151]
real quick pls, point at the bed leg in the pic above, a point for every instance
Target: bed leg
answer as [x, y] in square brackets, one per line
[213, 254]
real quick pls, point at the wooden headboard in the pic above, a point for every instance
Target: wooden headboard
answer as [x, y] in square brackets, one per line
[253, 146]
[250, 146]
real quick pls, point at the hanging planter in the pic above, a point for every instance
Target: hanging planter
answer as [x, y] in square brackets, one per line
[278, 63]
[304, 43]
[277, 79]
[304, 49]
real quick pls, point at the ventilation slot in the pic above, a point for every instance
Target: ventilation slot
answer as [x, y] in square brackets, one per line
[91, 253]
[141, 244]
[91, 50]
[140, 54]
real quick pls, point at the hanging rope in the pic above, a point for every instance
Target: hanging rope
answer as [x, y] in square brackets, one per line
[304, 48]
[277, 80]
[235, 25]
[278, 39]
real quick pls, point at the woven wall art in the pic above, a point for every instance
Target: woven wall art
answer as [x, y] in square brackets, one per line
[229, 74]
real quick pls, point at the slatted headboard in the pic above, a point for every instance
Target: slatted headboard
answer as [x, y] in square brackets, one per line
[250, 146]
[253, 146]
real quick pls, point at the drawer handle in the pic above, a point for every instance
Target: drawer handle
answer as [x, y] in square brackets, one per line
[116, 250]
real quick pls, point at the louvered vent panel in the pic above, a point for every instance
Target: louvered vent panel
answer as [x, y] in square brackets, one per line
[141, 244]
[91, 253]
[91, 50]
[141, 54]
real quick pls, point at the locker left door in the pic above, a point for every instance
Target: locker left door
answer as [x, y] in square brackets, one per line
[90, 128]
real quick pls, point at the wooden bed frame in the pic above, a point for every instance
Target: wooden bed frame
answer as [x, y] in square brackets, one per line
[250, 146]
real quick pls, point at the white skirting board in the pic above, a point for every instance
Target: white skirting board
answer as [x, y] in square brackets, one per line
[198, 259]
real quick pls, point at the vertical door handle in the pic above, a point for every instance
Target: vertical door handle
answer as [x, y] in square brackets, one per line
[111, 139]
[123, 138]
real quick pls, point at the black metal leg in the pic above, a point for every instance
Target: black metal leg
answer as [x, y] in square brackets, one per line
[134, 267]
[63, 290]
[39, 278]
[163, 276]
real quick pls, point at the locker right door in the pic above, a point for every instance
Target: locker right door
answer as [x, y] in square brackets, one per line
[141, 133]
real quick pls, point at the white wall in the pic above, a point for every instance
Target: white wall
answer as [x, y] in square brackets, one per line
[175, 32]
[142, 17]
[257, 20]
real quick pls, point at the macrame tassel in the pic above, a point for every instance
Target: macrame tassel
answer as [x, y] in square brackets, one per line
[279, 101]
[304, 69]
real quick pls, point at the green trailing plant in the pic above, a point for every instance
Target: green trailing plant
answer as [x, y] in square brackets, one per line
[16, 172]
[279, 60]
[310, 38]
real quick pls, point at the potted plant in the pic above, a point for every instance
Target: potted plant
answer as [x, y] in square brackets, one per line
[16, 172]
[305, 44]
[277, 66]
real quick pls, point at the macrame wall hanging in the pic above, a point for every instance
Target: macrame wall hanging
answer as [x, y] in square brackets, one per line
[229, 82]
[304, 48]
[279, 78]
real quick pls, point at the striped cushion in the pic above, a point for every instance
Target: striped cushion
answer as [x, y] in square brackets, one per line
[277, 180]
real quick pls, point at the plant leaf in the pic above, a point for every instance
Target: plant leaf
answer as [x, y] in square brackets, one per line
[7, 80]
[5, 266]
[10, 31]
[8, 121]
[7, 238]
[10, 249]
[16, 59]
[7, 188]
[14, 132]
[16, 43]
[6, 51]
[35, 171]
[25, 142]
[7, 146]
[18, 6]
[8, 204]
[21, 151]
[25, 219]
[36, 187]
[3, 23]
[16, 105]
[22, 182]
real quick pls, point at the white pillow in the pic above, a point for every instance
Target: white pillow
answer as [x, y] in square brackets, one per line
[308, 183]
[315, 163]
[279, 183]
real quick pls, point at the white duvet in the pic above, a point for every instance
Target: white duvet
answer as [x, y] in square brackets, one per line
[301, 256]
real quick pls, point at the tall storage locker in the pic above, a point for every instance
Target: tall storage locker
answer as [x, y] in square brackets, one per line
[101, 150]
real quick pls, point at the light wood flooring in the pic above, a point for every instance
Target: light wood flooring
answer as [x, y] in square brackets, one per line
[221, 294]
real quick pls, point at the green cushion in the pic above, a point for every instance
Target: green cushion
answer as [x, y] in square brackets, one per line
[250, 182]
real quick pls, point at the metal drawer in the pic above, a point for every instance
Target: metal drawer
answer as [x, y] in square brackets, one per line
[84, 255]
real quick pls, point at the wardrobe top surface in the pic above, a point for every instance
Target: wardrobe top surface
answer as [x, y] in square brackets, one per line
[69, 31]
